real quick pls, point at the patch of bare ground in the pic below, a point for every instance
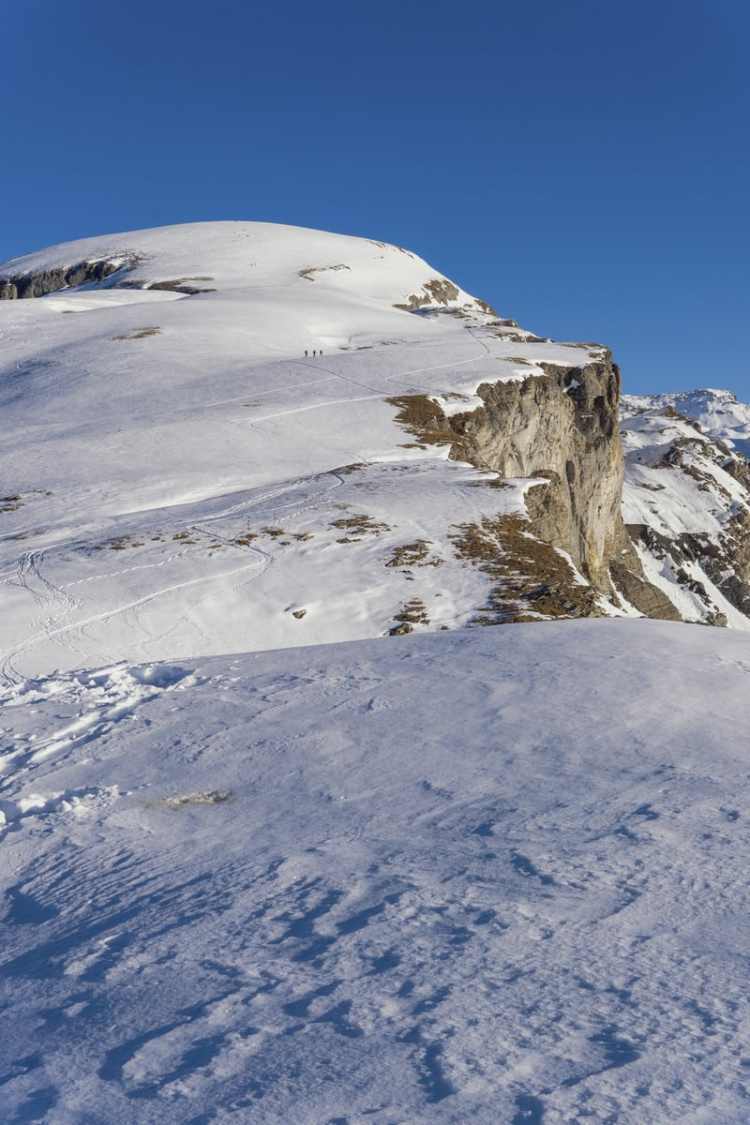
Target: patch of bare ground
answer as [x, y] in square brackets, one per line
[437, 291]
[141, 333]
[119, 543]
[531, 579]
[485, 307]
[174, 285]
[308, 273]
[359, 525]
[277, 534]
[413, 554]
[181, 800]
[497, 482]
[347, 470]
[15, 500]
[413, 612]
[424, 420]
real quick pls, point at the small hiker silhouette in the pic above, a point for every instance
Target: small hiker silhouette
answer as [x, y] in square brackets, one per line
[305, 353]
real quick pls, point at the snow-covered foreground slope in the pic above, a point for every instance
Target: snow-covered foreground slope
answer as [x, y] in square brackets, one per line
[495, 876]
[179, 477]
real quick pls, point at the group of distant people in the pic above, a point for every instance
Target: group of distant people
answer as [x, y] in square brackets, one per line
[316, 352]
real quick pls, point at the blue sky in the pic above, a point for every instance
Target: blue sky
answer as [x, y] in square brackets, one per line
[583, 166]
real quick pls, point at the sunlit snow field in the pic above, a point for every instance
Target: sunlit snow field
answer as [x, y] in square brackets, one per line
[251, 875]
[153, 438]
[497, 876]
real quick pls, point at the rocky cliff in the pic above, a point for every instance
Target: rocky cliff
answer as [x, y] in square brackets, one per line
[563, 428]
[559, 430]
[38, 283]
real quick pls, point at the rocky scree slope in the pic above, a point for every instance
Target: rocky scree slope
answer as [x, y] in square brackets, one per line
[687, 500]
[243, 436]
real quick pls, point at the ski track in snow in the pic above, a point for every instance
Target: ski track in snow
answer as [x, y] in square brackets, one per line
[119, 611]
[7, 669]
[50, 629]
[46, 593]
[346, 884]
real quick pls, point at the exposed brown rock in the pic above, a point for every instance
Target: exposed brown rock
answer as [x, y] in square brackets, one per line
[561, 428]
[531, 580]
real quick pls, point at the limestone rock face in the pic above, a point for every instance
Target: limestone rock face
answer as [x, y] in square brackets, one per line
[39, 283]
[562, 428]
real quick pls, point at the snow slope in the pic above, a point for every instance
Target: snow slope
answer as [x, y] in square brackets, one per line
[718, 412]
[171, 466]
[492, 875]
[495, 876]
[248, 256]
[687, 499]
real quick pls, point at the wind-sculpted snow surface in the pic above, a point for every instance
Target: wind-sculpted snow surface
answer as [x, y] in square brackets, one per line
[493, 876]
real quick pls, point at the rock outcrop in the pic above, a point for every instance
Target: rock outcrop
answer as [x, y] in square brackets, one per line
[561, 431]
[687, 505]
[19, 286]
[561, 428]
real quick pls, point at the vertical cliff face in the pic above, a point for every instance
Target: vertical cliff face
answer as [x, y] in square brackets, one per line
[562, 428]
[38, 283]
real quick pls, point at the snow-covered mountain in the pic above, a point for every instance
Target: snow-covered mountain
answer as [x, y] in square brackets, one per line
[687, 500]
[718, 413]
[182, 478]
[492, 874]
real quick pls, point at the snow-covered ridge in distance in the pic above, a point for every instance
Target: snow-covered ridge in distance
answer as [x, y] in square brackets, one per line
[687, 499]
[718, 412]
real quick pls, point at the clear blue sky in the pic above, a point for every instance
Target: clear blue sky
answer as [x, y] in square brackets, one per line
[583, 166]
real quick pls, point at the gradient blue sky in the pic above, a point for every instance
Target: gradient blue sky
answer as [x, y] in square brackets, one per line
[583, 166]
